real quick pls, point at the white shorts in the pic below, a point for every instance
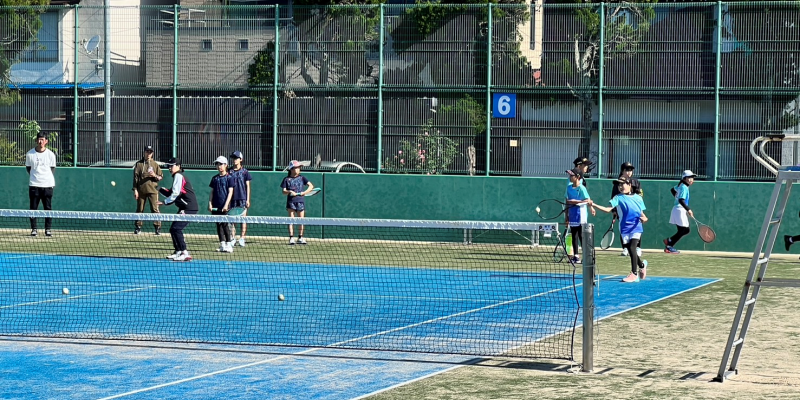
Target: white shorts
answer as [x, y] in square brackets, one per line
[628, 237]
[679, 216]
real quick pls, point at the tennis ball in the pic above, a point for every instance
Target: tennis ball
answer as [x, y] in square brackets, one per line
[538, 209]
[281, 298]
[113, 183]
[65, 291]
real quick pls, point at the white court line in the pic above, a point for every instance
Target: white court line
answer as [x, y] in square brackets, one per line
[72, 297]
[25, 256]
[223, 371]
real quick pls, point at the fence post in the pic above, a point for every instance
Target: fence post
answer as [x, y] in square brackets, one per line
[275, 80]
[380, 90]
[489, 93]
[76, 103]
[588, 297]
[175, 10]
[600, 110]
[718, 71]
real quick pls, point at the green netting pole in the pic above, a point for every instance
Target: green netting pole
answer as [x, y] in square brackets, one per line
[716, 89]
[75, 108]
[175, 10]
[275, 90]
[380, 91]
[489, 94]
[600, 91]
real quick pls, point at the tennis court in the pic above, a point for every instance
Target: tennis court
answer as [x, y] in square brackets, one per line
[429, 321]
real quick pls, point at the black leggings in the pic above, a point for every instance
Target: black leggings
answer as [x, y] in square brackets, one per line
[176, 231]
[224, 230]
[682, 231]
[636, 262]
[577, 238]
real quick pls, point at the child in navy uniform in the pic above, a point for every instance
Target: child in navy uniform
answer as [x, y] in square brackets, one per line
[294, 187]
[182, 195]
[219, 202]
[241, 191]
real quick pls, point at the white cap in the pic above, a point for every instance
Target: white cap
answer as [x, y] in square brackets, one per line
[688, 174]
[221, 160]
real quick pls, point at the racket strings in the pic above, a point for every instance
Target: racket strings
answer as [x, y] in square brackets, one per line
[706, 233]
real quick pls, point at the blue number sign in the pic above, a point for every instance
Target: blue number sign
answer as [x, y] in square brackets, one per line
[504, 105]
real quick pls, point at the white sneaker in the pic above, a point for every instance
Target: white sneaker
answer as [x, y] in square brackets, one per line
[292, 240]
[183, 257]
[301, 241]
[241, 241]
[638, 252]
[232, 243]
[624, 253]
[174, 256]
[222, 246]
[228, 249]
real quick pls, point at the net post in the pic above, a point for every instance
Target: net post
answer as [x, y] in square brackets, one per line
[588, 297]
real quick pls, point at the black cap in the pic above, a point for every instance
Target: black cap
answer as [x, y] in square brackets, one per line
[575, 172]
[623, 179]
[172, 161]
[41, 135]
[582, 161]
[148, 148]
[626, 166]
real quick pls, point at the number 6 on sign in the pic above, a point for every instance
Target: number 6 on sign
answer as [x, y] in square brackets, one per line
[504, 105]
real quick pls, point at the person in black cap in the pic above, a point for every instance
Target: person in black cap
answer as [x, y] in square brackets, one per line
[578, 198]
[241, 190]
[146, 175]
[40, 162]
[182, 195]
[583, 164]
[626, 172]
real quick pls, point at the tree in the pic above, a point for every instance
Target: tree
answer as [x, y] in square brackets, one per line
[19, 23]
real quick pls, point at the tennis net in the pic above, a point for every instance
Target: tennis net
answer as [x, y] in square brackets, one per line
[461, 287]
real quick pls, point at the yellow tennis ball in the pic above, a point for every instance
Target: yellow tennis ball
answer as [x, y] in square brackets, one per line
[538, 209]
[281, 298]
[65, 291]
[113, 183]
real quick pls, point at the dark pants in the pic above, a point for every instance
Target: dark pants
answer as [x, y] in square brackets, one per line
[224, 230]
[636, 262]
[577, 238]
[45, 195]
[682, 231]
[140, 203]
[176, 231]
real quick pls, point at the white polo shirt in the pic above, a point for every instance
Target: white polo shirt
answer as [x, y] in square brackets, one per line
[41, 164]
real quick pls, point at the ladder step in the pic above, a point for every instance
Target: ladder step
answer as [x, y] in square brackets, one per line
[762, 261]
[738, 342]
[775, 220]
[748, 302]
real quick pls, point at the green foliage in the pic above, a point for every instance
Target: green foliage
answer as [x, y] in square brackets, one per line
[31, 129]
[10, 153]
[429, 152]
[261, 73]
[19, 27]
[430, 15]
[476, 112]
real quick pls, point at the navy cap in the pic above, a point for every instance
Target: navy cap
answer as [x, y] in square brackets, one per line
[148, 148]
[237, 154]
[172, 161]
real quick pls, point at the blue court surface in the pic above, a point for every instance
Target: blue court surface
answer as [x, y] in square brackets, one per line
[63, 368]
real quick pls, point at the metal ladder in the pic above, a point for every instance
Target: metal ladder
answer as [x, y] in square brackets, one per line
[785, 178]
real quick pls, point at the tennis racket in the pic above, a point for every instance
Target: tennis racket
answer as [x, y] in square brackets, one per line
[560, 251]
[312, 192]
[704, 231]
[233, 212]
[608, 237]
[551, 208]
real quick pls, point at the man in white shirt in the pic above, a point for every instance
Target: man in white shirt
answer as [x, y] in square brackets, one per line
[41, 164]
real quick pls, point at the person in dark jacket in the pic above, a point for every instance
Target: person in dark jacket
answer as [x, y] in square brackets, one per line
[182, 196]
[146, 175]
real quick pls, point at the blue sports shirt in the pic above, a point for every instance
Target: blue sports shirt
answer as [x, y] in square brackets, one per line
[682, 192]
[577, 214]
[629, 208]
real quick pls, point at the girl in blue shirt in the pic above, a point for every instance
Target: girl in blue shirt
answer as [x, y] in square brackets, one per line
[578, 198]
[630, 208]
[680, 212]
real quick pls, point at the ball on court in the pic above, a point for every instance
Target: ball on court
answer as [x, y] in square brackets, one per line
[65, 291]
[281, 298]
[113, 183]
[538, 209]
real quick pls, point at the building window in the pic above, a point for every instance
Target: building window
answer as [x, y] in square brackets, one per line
[244, 44]
[44, 48]
[207, 45]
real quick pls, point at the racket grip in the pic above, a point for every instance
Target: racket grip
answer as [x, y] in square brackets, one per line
[214, 209]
